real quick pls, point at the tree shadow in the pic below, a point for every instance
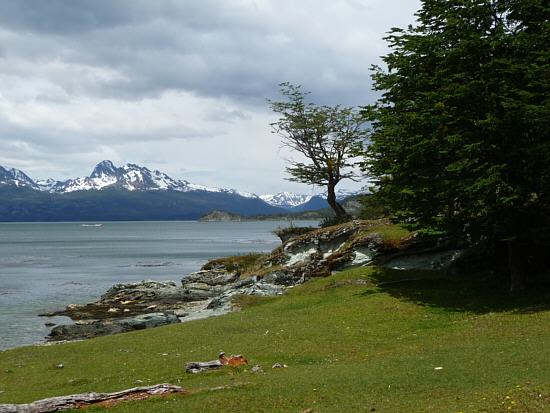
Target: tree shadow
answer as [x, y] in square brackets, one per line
[482, 293]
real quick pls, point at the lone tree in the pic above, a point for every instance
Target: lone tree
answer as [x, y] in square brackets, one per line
[329, 137]
[461, 134]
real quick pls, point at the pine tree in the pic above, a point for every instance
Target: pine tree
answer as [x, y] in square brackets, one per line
[460, 138]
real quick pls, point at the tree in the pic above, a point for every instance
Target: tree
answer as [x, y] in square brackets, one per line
[460, 136]
[330, 138]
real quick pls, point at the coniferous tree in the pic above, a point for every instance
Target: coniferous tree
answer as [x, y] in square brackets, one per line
[461, 134]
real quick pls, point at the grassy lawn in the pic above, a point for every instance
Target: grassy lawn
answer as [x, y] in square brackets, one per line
[427, 345]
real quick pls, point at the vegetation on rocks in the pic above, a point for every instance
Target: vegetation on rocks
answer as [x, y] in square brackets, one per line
[241, 264]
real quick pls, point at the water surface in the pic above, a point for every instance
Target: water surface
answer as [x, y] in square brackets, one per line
[44, 266]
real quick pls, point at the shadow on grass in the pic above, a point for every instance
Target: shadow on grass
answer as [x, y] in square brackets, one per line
[482, 293]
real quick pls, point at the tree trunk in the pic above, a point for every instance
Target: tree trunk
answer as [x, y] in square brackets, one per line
[517, 277]
[336, 207]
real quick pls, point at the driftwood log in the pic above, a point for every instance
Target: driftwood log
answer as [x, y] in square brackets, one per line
[77, 401]
[200, 366]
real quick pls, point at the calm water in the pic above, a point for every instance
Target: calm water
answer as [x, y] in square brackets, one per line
[44, 266]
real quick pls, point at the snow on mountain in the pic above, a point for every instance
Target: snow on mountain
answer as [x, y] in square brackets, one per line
[133, 177]
[15, 177]
[286, 199]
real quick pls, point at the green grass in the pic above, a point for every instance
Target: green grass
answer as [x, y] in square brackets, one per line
[391, 232]
[350, 346]
[243, 264]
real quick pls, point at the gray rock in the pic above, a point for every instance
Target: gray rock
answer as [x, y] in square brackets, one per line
[217, 276]
[279, 278]
[216, 303]
[98, 328]
[245, 282]
[145, 291]
[151, 320]
[257, 369]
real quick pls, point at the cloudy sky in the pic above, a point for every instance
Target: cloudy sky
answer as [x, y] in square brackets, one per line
[177, 85]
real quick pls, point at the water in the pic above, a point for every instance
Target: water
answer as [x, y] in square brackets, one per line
[45, 266]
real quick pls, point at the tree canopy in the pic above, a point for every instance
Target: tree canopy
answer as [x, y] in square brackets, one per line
[460, 136]
[330, 138]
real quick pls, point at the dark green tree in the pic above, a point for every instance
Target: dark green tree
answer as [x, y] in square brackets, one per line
[329, 138]
[461, 134]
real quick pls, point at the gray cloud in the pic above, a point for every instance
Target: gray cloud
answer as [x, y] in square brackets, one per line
[103, 74]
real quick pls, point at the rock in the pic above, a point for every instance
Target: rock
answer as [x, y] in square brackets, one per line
[96, 328]
[279, 366]
[49, 324]
[257, 369]
[245, 282]
[279, 278]
[131, 299]
[144, 321]
[144, 291]
[431, 260]
[181, 313]
[210, 277]
[215, 303]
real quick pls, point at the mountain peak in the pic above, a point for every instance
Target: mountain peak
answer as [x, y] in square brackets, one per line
[16, 177]
[104, 168]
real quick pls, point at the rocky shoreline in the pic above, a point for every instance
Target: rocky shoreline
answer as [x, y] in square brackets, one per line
[210, 291]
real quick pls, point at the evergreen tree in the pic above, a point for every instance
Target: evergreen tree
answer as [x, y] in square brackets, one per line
[460, 137]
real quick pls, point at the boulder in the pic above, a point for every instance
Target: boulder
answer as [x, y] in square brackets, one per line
[96, 328]
[217, 276]
[145, 291]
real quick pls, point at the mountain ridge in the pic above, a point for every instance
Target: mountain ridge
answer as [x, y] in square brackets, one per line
[133, 177]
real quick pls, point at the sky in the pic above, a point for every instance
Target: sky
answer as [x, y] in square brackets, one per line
[178, 85]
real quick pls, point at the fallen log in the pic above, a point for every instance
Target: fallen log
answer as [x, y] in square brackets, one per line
[200, 366]
[77, 401]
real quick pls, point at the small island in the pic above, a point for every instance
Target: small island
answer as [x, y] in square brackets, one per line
[221, 216]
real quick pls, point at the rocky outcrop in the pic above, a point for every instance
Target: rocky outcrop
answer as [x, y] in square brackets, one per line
[147, 304]
[210, 292]
[123, 300]
[94, 328]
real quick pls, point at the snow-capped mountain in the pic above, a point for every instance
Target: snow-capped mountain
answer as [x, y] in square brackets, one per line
[133, 177]
[130, 176]
[286, 199]
[15, 177]
[289, 200]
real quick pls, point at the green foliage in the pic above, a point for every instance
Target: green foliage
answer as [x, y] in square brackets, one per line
[374, 207]
[330, 138]
[493, 350]
[286, 233]
[461, 134]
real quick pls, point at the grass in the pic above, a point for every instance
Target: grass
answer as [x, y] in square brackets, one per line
[350, 346]
[242, 264]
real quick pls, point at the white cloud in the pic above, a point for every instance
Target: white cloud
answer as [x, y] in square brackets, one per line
[178, 86]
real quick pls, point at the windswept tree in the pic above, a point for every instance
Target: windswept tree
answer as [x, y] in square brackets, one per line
[461, 134]
[329, 138]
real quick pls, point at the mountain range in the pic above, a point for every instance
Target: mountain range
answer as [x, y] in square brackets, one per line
[133, 192]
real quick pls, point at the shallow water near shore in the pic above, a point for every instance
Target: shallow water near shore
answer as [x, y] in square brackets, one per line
[45, 266]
